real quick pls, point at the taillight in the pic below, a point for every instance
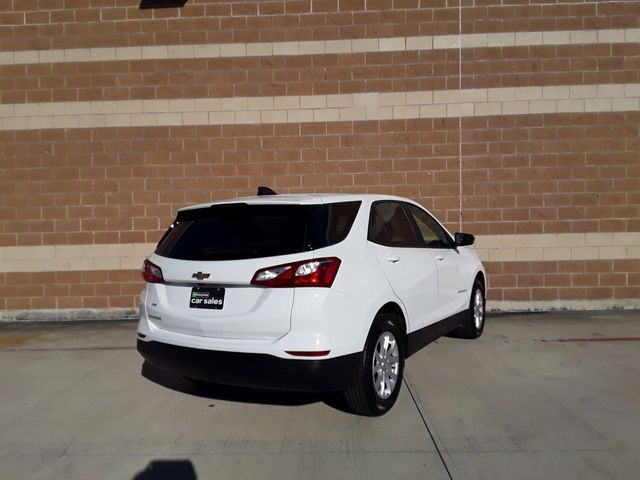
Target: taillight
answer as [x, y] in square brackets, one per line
[319, 272]
[151, 272]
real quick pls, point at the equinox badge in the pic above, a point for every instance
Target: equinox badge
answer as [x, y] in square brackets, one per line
[200, 275]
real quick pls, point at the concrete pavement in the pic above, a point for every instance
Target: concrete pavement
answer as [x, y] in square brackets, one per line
[551, 395]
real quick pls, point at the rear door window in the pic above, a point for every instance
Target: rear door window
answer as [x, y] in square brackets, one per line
[241, 231]
[390, 226]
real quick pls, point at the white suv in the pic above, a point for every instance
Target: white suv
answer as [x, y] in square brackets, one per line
[307, 292]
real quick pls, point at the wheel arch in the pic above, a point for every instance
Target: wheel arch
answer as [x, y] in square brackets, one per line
[394, 309]
[483, 281]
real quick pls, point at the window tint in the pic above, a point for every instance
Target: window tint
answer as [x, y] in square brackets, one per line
[336, 226]
[432, 233]
[389, 225]
[240, 231]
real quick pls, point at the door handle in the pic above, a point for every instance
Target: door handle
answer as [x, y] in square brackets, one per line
[439, 258]
[393, 258]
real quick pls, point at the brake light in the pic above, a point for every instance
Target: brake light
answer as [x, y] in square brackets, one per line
[319, 272]
[151, 272]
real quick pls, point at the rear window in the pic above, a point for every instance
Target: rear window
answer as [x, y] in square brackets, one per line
[240, 231]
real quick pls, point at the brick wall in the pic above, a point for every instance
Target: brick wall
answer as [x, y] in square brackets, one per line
[525, 113]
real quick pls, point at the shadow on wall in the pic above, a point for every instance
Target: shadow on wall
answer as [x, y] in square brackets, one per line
[168, 470]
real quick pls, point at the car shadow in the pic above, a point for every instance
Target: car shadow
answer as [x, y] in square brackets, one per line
[168, 470]
[214, 391]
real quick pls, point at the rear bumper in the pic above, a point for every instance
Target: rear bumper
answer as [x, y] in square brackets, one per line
[254, 369]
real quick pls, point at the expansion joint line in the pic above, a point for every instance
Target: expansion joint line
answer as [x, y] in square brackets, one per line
[426, 425]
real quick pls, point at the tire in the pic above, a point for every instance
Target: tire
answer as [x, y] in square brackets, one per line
[473, 324]
[379, 375]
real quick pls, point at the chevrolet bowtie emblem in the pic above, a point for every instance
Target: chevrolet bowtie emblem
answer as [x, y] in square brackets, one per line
[200, 275]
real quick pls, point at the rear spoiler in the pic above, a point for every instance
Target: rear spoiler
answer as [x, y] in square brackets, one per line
[265, 191]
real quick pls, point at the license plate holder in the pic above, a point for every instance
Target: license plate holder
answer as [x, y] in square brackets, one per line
[209, 298]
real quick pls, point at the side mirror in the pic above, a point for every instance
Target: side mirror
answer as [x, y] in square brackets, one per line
[464, 239]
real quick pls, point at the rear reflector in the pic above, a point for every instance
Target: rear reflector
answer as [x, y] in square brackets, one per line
[319, 272]
[320, 353]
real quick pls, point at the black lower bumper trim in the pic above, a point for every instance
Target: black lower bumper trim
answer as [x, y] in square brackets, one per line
[254, 369]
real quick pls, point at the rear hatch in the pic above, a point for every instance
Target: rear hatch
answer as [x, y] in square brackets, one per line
[209, 256]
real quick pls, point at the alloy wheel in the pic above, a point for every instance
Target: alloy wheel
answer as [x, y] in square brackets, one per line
[478, 309]
[385, 365]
